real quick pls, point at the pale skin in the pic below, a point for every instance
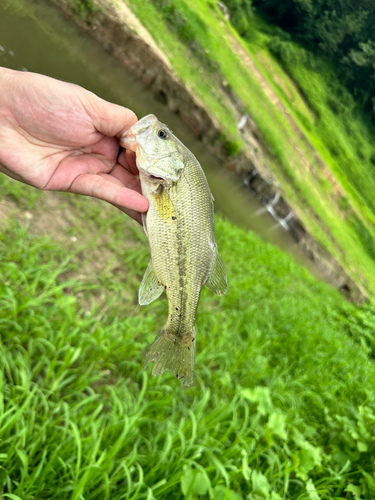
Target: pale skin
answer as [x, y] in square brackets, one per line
[58, 136]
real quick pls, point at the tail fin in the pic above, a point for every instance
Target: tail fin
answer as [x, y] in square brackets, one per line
[173, 353]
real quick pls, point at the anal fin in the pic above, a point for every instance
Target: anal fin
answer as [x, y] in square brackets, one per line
[150, 288]
[217, 280]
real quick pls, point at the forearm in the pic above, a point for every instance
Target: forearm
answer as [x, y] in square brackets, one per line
[8, 84]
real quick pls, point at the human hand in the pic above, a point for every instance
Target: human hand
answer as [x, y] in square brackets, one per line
[59, 136]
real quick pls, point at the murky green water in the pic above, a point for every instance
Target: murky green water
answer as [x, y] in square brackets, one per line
[34, 36]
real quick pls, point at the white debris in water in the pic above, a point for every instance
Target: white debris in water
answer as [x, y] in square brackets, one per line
[242, 122]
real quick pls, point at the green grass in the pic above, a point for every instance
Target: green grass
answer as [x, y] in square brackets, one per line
[24, 196]
[198, 42]
[340, 126]
[201, 44]
[82, 7]
[282, 405]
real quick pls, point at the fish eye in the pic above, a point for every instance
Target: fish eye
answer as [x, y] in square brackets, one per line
[162, 133]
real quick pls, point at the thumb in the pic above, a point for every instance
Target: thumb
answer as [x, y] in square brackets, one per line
[109, 119]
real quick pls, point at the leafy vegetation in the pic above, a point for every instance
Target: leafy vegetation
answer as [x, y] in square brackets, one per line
[82, 6]
[282, 405]
[341, 126]
[337, 29]
[240, 15]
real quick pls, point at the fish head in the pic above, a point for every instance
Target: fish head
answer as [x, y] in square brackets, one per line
[159, 154]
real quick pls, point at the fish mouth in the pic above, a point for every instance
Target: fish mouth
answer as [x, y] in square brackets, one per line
[152, 176]
[129, 139]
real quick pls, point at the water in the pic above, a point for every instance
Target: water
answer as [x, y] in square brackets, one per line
[35, 36]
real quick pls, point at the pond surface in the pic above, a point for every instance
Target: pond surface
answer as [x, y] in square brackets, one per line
[35, 36]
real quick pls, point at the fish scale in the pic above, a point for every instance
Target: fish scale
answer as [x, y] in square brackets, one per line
[180, 229]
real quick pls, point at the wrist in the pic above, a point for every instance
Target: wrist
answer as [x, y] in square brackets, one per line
[7, 87]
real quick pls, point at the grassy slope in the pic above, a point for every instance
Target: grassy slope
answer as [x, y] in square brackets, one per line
[282, 405]
[336, 204]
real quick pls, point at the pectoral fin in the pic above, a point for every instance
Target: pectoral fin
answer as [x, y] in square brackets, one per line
[150, 288]
[217, 281]
[212, 200]
[144, 223]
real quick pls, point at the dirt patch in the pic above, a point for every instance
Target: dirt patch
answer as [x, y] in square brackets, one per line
[7, 209]
[61, 217]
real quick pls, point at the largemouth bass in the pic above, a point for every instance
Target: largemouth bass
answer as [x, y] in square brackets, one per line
[180, 228]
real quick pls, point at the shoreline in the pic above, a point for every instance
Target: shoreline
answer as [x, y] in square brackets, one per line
[120, 32]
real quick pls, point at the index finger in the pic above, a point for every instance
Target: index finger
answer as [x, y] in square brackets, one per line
[109, 189]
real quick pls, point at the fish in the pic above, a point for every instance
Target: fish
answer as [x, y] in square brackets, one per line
[179, 225]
